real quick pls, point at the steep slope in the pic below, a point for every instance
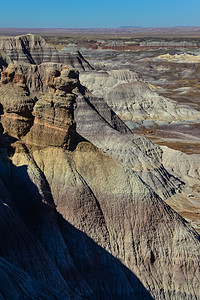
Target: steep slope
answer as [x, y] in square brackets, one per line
[4, 60]
[173, 176]
[167, 175]
[186, 167]
[132, 99]
[95, 120]
[96, 123]
[113, 206]
[16, 284]
[33, 49]
[28, 48]
[80, 221]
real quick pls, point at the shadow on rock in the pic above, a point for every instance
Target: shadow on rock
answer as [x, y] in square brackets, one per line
[52, 251]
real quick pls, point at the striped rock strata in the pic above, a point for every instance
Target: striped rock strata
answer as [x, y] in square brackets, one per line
[33, 49]
[81, 224]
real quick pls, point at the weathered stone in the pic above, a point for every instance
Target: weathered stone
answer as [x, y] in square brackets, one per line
[34, 50]
[82, 224]
[132, 99]
[45, 120]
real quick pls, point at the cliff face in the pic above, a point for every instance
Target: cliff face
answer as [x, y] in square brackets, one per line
[42, 120]
[27, 48]
[34, 50]
[82, 224]
[95, 120]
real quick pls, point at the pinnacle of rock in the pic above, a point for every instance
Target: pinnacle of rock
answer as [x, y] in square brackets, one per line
[34, 119]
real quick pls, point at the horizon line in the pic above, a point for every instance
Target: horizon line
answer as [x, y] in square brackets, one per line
[116, 27]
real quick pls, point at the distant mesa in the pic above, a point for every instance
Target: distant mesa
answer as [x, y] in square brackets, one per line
[130, 27]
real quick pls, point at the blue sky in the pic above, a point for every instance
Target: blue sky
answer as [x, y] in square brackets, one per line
[102, 13]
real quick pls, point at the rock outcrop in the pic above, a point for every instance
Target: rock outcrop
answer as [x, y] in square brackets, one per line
[111, 204]
[96, 122]
[54, 113]
[81, 222]
[170, 178]
[184, 58]
[187, 168]
[4, 60]
[99, 124]
[27, 48]
[42, 120]
[33, 49]
[16, 101]
[133, 100]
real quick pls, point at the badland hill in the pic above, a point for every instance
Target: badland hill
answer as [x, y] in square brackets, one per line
[82, 204]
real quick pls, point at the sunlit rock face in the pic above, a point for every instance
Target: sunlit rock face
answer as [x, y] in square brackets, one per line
[33, 49]
[16, 101]
[134, 100]
[27, 48]
[81, 222]
[53, 113]
[43, 120]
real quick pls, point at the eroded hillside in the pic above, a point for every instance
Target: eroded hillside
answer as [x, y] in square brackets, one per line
[81, 197]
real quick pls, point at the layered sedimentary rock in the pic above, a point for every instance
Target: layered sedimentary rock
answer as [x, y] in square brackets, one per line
[34, 76]
[16, 101]
[82, 224]
[146, 158]
[34, 50]
[186, 167]
[111, 204]
[45, 119]
[4, 60]
[180, 58]
[133, 99]
[54, 113]
[27, 48]
[96, 122]
[170, 43]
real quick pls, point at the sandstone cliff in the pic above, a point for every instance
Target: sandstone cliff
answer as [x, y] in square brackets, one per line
[46, 119]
